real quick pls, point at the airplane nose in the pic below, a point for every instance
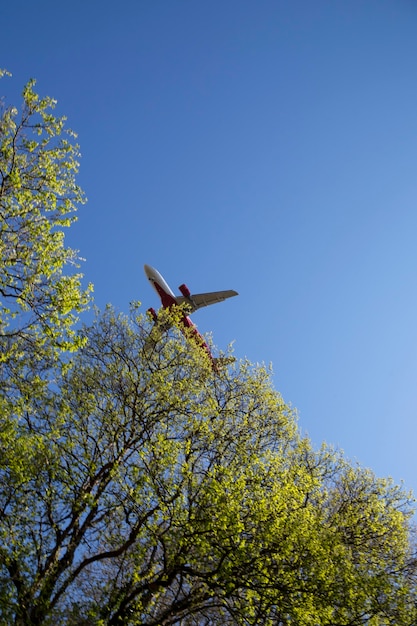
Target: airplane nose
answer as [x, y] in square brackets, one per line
[148, 270]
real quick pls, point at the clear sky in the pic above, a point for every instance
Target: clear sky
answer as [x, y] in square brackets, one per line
[265, 146]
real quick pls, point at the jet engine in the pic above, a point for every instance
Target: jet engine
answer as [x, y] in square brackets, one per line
[185, 291]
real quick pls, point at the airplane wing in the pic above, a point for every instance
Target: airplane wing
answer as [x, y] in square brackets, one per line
[158, 329]
[153, 338]
[198, 300]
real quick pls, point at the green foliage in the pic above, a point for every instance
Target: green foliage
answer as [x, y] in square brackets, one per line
[147, 489]
[137, 485]
[38, 197]
[39, 303]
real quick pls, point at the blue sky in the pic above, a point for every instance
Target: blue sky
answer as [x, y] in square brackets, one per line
[268, 147]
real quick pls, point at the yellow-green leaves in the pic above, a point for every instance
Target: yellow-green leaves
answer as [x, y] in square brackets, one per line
[38, 197]
[139, 486]
[144, 488]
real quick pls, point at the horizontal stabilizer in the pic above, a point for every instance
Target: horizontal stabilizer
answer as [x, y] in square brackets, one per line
[221, 361]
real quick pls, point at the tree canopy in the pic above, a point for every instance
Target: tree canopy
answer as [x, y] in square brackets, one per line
[137, 486]
[38, 197]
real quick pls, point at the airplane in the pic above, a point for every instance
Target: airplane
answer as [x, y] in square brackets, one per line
[193, 303]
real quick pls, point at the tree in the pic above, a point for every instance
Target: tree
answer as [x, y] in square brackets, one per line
[38, 197]
[137, 486]
[39, 298]
[162, 493]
